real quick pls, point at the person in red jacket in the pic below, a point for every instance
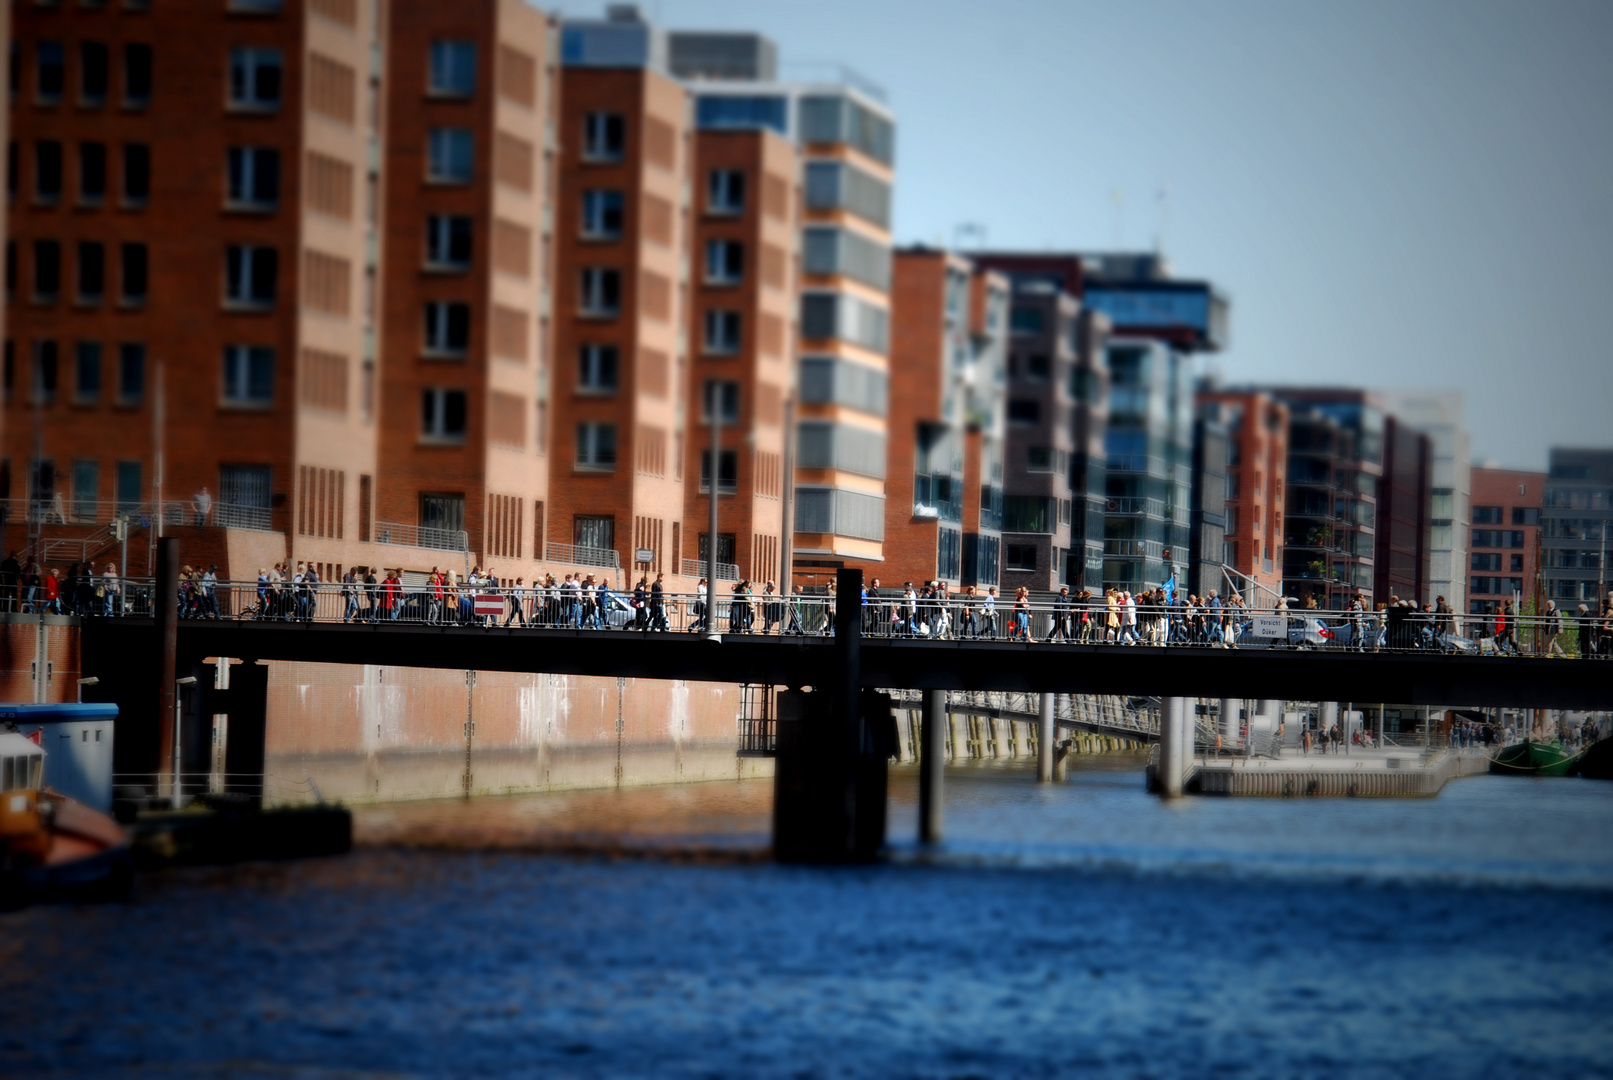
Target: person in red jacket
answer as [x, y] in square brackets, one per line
[53, 591]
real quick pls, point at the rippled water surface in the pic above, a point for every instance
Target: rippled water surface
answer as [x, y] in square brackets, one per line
[1079, 929]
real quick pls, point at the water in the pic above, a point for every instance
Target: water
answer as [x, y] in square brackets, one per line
[1079, 929]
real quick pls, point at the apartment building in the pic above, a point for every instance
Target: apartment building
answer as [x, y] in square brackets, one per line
[746, 232]
[1575, 521]
[472, 100]
[1207, 518]
[192, 221]
[621, 302]
[1256, 475]
[1507, 553]
[1438, 414]
[926, 422]
[985, 438]
[846, 139]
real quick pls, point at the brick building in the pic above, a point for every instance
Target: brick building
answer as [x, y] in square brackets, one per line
[1256, 470]
[207, 258]
[471, 108]
[1505, 556]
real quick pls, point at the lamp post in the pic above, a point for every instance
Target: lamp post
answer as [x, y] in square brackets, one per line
[714, 406]
[177, 796]
[82, 683]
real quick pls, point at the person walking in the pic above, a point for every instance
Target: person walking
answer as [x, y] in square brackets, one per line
[202, 505]
[641, 604]
[391, 596]
[1022, 614]
[988, 613]
[350, 585]
[697, 610]
[658, 619]
[797, 603]
[517, 602]
[1061, 616]
[1551, 623]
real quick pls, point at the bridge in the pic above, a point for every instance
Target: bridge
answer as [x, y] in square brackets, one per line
[835, 730]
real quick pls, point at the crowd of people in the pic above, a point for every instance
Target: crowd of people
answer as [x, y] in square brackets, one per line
[30, 588]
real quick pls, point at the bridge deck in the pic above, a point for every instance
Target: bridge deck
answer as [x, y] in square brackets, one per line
[1401, 678]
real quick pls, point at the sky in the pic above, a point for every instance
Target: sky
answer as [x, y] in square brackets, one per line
[1411, 194]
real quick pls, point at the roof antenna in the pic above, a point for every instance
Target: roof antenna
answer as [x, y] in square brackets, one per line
[969, 229]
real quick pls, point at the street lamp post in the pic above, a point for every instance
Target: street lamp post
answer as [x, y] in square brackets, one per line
[714, 405]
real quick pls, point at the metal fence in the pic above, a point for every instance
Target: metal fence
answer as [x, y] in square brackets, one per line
[421, 536]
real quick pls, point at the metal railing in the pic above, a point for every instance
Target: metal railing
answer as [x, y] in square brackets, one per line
[582, 555]
[696, 568]
[421, 536]
[884, 615]
[1135, 505]
[218, 516]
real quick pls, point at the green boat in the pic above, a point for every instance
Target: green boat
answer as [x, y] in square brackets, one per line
[1534, 759]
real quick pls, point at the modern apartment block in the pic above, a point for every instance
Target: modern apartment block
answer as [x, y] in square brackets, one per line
[1576, 517]
[1507, 551]
[1438, 414]
[1256, 476]
[927, 423]
[471, 161]
[194, 221]
[746, 230]
[986, 431]
[621, 301]
[846, 139]
[1207, 519]
[1404, 498]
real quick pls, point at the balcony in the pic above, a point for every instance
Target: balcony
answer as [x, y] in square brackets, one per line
[419, 536]
[696, 568]
[1154, 508]
[582, 555]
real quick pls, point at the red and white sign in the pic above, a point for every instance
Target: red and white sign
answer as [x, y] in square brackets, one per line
[489, 605]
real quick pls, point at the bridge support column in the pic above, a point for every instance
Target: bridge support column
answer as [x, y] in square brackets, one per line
[165, 620]
[932, 765]
[834, 747]
[1174, 730]
[1045, 737]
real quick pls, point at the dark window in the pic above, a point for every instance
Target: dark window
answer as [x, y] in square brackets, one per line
[447, 329]
[249, 274]
[92, 72]
[1517, 564]
[47, 170]
[91, 271]
[45, 371]
[727, 470]
[136, 74]
[131, 372]
[604, 136]
[248, 375]
[444, 512]
[91, 172]
[448, 241]
[136, 173]
[87, 372]
[47, 269]
[254, 174]
[51, 70]
[1025, 411]
[1486, 515]
[442, 415]
[255, 78]
[1019, 557]
[134, 274]
[1038, 368]
[1025, 320]
[1525, 515]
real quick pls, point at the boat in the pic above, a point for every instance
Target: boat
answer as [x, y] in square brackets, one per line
[1530, 758]
[53, 847]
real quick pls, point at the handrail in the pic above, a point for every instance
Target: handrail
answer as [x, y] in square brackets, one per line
[421, 536]
[697, 568]
[582, 555]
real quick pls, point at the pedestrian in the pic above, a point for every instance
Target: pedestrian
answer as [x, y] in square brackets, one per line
[797, 605]
[772, 610]
[658, 619]
[517, 603]
[641, 604]
[201, 504]
[350, 585]
[988, 612]
[697, 610]
[1061, 615]
[1552, 624]
[1022, 614]
[1504, 640]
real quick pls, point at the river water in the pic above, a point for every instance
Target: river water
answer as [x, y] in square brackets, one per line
[1081, 929]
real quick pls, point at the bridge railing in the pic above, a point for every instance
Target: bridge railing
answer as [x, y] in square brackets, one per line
[885, 616]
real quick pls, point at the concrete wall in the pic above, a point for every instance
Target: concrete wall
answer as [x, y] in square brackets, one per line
[384, 733]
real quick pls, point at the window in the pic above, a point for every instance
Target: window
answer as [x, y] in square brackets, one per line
[596, 447]
[836, 186]
[442, 415]
[249, 275]
[725, 191]
[1019, 557]
[725, 262]
[1024, 411]
[91, 172]
[601, 215]
[134, 274]
[726, 391]
[449, 154]
[248, 375]
[86, 488]
[849, 318]
[254, 177]
[136, 174]
[47, 270]
[92, 72]
[127, 486]
[827, 380]
[732, 111]
[1486, 515]
[594, 532]
[604, 137]
[453, 68]
[1025, 321]
[51, 73]
[597, 369]
[722, 333]
[727, 473]
[1525, 515]
[1515, 564]
[255, 79]
[44, 372]
[87, 372]
[47, 170]
[91, 272]
[1486, 561]
[601, 292]
[131, 373]
[1029, 514]
[1044, 459]
[448, 242]
[136, 75]
[447, 329]
[830, 250]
